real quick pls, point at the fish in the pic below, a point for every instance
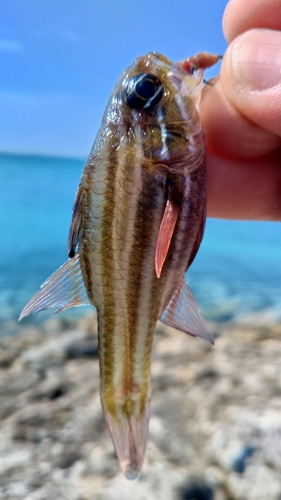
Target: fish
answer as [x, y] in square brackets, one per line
[137, 223]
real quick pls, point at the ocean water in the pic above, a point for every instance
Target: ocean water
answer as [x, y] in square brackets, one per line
[236, 273]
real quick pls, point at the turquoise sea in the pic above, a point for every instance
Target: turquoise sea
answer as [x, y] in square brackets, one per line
[236, 273]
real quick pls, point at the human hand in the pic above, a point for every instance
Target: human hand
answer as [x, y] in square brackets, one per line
[241, 115]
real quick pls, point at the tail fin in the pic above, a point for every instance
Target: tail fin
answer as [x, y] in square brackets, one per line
[129, 437]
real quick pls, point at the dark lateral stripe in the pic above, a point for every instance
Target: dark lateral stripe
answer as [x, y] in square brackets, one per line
[156, 292]
[127, 165]
[143, 232]
[107, 271]
[85, 254]
[87, 274]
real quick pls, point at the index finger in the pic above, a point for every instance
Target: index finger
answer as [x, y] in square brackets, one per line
[240, 16]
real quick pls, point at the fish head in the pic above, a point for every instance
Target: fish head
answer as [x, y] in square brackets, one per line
[155, 107]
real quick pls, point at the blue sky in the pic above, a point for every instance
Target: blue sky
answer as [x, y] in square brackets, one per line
[60, 59]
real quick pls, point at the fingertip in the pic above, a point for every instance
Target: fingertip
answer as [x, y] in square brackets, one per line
[256, 59]
[227, 15]
[243, 15]
[251, 79]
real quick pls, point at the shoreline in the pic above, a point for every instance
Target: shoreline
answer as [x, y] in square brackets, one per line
[215, 415]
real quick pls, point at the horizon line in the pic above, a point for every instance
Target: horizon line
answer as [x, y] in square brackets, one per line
[60, 156]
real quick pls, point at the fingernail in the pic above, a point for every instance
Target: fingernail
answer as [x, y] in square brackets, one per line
[256, 59]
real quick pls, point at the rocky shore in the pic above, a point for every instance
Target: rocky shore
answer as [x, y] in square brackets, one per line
[215, 429]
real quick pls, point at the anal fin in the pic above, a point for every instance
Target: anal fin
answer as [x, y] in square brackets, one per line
[183, 313]
[65, 288]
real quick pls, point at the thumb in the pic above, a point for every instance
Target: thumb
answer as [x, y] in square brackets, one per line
[251, 77]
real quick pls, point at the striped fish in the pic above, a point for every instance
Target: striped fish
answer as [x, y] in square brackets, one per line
[137, 224]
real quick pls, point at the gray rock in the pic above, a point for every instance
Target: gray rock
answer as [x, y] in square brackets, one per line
[215, 430]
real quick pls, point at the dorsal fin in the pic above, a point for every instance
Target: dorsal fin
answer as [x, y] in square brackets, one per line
[65, 288]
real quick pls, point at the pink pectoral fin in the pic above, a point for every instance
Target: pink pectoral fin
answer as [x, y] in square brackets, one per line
[165, 234]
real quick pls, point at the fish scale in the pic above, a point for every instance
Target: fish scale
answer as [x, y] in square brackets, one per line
[137, 223]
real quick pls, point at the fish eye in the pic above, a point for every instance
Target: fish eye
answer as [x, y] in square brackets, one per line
[144, 91]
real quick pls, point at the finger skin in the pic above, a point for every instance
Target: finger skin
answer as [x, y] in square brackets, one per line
[243, 15]
[245, 190]
[241, 116]
[228, 132]
[251, 77]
